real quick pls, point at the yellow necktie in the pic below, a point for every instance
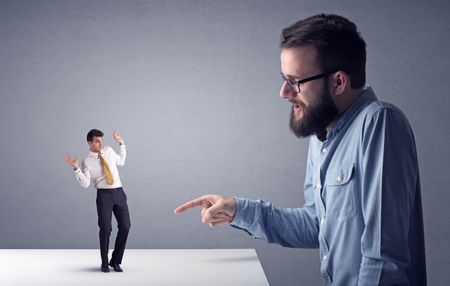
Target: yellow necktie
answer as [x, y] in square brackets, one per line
[108, 174]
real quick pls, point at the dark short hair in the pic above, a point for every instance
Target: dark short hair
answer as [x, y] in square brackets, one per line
[92, 133]
[338, 43]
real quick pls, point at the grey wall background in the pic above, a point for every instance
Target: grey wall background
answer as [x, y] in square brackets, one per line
[193, 87]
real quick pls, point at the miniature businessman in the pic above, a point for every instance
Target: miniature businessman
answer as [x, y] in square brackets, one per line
[100, 168]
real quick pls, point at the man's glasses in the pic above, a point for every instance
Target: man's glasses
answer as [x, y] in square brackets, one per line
[294, 85]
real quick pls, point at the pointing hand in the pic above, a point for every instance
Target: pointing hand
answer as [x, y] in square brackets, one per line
[216, 209]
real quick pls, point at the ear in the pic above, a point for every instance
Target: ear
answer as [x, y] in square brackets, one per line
[340, 82]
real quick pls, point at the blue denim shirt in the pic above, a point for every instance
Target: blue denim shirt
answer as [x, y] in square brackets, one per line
[362, 201]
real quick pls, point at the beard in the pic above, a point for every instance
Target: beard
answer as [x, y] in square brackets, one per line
[314, 119]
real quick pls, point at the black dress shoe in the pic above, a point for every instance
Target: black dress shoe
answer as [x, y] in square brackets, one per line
[115, 266]
[104, 268]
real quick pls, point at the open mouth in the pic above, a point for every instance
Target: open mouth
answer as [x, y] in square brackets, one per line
[297, 108]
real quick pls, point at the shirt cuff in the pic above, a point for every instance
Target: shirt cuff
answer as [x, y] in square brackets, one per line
[245, 210]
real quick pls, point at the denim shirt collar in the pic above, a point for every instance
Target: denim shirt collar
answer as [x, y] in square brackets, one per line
[367, 96]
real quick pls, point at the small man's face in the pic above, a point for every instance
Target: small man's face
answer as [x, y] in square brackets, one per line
[96, 144]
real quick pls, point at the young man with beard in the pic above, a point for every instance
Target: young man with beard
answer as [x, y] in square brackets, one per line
[362, 190]
[100, 168]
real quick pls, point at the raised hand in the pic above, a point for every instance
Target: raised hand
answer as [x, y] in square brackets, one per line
[216, 209]
[118, 138]
[72, 162]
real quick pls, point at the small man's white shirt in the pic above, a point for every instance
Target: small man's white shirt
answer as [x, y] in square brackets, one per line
[92, 171]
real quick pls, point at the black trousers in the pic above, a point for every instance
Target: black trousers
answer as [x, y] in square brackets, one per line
[111, 201]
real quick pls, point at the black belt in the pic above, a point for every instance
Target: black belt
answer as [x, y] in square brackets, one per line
[112, 189]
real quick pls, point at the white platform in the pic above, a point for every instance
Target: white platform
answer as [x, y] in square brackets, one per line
[141, 267]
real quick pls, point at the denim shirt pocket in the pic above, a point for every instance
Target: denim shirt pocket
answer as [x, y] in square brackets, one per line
[340, 192]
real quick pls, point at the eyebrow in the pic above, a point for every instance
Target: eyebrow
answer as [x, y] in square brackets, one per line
[288, 76]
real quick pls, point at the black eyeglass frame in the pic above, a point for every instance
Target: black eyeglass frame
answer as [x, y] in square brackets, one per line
[301, 81]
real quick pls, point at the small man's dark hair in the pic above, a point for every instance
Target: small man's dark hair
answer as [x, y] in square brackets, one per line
[94, 132]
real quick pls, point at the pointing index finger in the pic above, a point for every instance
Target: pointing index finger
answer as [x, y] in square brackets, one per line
[189, 205]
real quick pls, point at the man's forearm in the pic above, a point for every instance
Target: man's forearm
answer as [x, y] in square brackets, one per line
[122, 155]
[82, 179]
[290, 227]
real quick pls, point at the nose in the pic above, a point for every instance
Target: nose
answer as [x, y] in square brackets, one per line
[285, 91]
